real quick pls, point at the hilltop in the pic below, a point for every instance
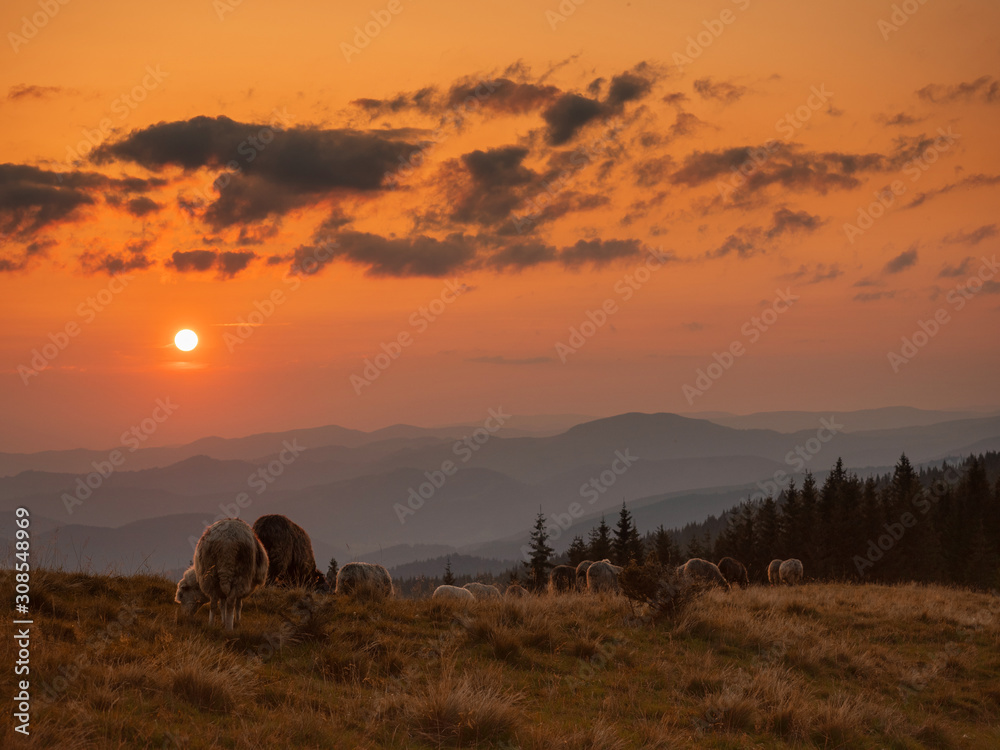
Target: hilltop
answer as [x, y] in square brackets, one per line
[822, 665]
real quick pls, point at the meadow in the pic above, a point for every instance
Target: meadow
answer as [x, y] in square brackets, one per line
[819, 665]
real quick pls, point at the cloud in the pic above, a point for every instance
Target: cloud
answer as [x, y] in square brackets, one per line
[971, 238]
[900, 119]
[817, 274]
[972, 181]
[227, 263]
[26, 91]
[960, 269]
[744, 242]
[785, 220]
[627, 87]
[873, 296]
[36, 249]
[231, 262]
[133, 259]
[906, 259]
[521, 255]
[568, 114]
[493, 191]
[722, 91]
[142, 205]
[500, 360]
[192, 260]
[598, 252]
[269, 170]
[985, 89]
[685, 124]
[392, 257]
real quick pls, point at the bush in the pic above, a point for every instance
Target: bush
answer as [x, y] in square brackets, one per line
[657, 586]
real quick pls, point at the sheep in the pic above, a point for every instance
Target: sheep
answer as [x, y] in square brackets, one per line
[562, 578]
[515, 591]
[453, 593]
[772, 571]
[790, 572]
[698, 571]
[483, 590]
[290, 553]
[364, 579]
[734, 571]
[603, 576]
[229, 564]
[581, 574]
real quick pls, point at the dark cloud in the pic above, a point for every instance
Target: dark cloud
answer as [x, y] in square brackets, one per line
[972, 181]
[269, 170]
[568, 114]
[495, 186]
[985, 89]
[192, 260]
[599, 253]
[26, 91]
[396, 257]
[685, 124]
[971, 238]
[900, 119]
[499, 360]
[37, 249]
[676, 99]
[873, 296]
[501, 95]
[627, 87]
[521, 255]
[134, 258]
[230, 263]
[960, 269]
[744, 242]
[722, 91]
[906, 259]
[257, 234]
[785, 220]
[142, 205]
[815, 275]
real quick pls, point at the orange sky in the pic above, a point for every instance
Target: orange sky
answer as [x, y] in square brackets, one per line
[626, 141]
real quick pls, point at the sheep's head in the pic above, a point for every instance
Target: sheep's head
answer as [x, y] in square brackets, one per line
[189, 594]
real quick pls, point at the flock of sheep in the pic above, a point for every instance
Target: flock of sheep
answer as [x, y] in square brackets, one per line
[232, 559]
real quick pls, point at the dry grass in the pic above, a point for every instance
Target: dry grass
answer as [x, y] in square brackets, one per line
[831, 666]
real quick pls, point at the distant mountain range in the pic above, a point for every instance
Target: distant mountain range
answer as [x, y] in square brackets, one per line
[405, 494]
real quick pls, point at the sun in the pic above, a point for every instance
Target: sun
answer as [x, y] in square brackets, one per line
[186, 340]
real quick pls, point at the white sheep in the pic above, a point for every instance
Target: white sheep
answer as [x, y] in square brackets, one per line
[364, 579]
[453, 593]
[483, 590]
[698, 571]
[791, 572]
[229, 564]
[603, 576]
[772, 572]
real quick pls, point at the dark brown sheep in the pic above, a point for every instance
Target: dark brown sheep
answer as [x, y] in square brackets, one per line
[562, 578]
[734, 572]
[290, 552]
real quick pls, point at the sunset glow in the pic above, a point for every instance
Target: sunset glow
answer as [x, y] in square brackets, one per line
[186, 340]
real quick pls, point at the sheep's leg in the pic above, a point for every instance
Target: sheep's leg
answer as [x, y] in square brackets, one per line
[211, 610]
[239, 610]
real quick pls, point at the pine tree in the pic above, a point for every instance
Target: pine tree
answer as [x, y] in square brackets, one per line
[448, 578]
[664, 547]
[599, 546]
[538, 566]
[577, 551]
[331, 572]
[626, 545]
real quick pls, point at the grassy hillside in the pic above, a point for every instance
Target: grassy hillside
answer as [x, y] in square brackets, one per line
[834, 666]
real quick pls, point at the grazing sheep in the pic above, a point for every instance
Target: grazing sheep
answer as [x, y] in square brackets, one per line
[290, 553]
[483, 590]
[772, 571]
[790, 572]
[453, 592]
[562, 578]
[697, 571]
[581, 574]
[229, 563]
[734, 572]
[515, 591]
[603, 576]
[364, 579]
